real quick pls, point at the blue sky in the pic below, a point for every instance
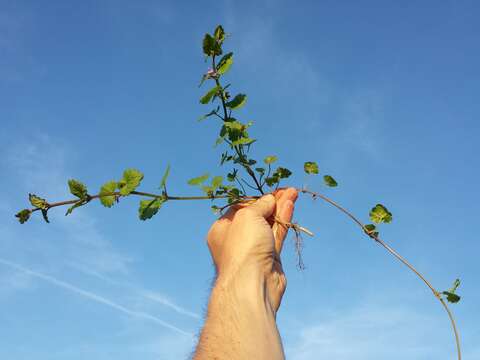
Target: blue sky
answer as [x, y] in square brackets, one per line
[382, 94]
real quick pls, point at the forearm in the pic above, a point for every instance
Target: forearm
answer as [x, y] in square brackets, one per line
[240, 321]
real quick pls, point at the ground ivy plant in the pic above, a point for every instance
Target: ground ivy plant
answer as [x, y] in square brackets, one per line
[246, 180]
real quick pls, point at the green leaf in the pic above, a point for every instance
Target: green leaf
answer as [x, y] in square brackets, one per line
[219, 34]
[231, 176]
[45, 215]
[108, 188]
[217, 181]
[223, 189]
[218, 141]
[23, 215]
[233, 195]
[237, 102]
[380, 214]
[260, 170]
[225, 158]
[282, 173]
[131, 179]
[202, 80]
[272, 180]
[208, 190]
[456, 284]
[205, 99]
[310, 167]
[243, 141]
[224, 64]
[77, 188]
[213, 112]
[270, 159]
[234, 125]
[208, 44]
[148, 208]
[211, 46]
[329, 181]
[451, 297]
[216, 209]
[198, 180]
[37, 201]
[370, 229]
[77, 204]
[165, 177]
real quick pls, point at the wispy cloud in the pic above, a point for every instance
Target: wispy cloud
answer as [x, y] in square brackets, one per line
[39, 165]
[94, 297]
[140, 292]
[360, 123]
[371, 332]
[164, 300]
[351, 120]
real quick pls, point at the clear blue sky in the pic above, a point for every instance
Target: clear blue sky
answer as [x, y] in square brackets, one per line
[382, 94]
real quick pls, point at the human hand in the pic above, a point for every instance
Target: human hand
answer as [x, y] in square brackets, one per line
[246, 243]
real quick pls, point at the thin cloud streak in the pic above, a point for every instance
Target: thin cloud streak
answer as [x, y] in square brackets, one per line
[161, 299]
[371, 331]
[93, 297]
[144, 294]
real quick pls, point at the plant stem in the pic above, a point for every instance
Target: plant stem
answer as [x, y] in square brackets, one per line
[398, 256]
[140, 193]
[247, 167]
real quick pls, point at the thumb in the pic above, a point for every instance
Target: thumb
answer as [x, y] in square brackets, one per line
[265, 206]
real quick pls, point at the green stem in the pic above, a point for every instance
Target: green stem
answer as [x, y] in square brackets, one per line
[140, 193]
[247, 167]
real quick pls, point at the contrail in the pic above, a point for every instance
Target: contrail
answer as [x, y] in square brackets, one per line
[92, 296]
[148, 295]
[159, 298]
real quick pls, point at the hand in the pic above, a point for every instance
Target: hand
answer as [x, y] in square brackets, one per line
[246, 243]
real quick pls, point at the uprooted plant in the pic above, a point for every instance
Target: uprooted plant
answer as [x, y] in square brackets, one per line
[247, 180]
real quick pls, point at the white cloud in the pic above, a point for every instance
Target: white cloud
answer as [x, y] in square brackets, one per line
[140, 293]
[303, 92]
[372, 332]
[39, 165]
[360, 124]
[164, 300]
[169, 347]
[94, 297]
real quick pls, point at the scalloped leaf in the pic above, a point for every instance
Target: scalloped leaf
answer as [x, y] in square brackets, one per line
[380, 214]
[23, 215]
[108, 188]
[130, 181]
[148, 208]
[37, 201]
[77, 188]
[310, 167]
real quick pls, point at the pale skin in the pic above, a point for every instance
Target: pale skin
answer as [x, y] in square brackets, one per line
[245, 245]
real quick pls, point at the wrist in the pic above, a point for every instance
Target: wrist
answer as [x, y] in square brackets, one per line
[240, 321]
[244, 287]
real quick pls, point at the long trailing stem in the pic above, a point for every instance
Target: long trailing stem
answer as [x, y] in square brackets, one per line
[375, 237]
